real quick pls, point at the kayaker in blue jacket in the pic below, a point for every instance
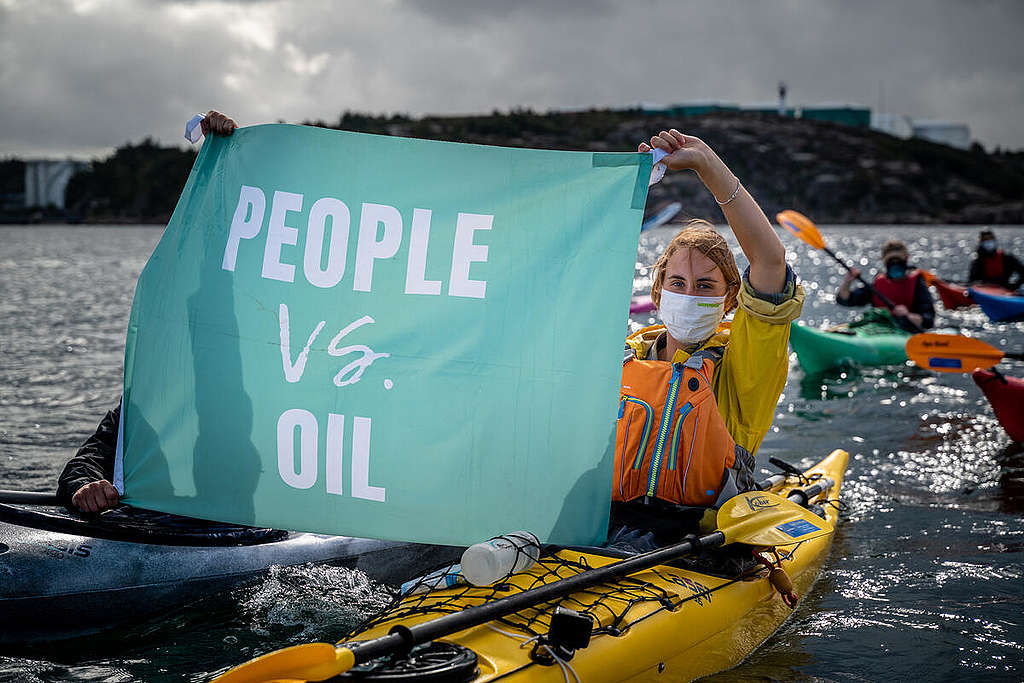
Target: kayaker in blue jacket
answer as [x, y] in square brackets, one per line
[902, 285]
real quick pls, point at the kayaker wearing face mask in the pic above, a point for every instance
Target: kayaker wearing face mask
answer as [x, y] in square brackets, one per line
[993, 266]
[697, 397]
[900, 283]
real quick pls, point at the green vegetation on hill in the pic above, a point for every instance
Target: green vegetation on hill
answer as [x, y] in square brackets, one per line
[12, 177]
[833, 173]
[139, 183]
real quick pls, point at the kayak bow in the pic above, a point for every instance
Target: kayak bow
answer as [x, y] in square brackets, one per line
[998, 308]
[868, 345]
[128, 564]
[1006, 394]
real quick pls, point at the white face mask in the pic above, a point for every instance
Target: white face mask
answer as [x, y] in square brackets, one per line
[688, 318]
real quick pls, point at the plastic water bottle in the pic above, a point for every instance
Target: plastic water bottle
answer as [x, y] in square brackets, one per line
[446, 577]
[500, 557]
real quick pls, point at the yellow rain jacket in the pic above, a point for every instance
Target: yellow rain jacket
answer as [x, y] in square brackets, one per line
[749, 380]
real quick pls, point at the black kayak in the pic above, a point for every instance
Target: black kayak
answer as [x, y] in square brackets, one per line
[126, 564]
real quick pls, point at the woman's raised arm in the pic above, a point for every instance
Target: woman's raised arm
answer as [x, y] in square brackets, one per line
[757, 239]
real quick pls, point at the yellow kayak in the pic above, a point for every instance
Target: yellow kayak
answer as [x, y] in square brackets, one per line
[668, 622]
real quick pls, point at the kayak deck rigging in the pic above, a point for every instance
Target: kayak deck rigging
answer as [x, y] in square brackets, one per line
[675, 616]
[612, 606]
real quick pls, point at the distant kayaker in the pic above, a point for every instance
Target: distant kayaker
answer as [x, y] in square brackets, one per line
[85, 483]
[697, 397]
[902, 285]
[993, 266]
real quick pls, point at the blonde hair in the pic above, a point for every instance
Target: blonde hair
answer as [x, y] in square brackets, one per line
[700, 235]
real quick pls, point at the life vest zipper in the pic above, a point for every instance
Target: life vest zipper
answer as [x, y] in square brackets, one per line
[666, 423]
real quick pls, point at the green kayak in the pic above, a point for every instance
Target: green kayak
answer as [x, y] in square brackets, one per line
[872, 340]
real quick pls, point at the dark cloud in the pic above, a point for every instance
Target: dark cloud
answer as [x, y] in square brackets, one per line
[81, 77]
[482, 12]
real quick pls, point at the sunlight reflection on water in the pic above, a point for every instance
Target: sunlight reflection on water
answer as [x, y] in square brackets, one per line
[925, 579]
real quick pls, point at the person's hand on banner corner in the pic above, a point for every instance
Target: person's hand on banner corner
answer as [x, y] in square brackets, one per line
[95, 496]
[218, 124]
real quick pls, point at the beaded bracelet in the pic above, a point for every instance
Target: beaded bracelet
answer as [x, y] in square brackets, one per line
[732, 196]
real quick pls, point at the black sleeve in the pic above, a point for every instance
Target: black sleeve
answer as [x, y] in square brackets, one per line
[923, 304]
[94, 460]
[1014, 271]
[858, 297]
[975, 274]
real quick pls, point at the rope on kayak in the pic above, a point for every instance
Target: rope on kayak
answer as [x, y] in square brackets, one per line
[610, 605]
[840, 506]
[562, 664]
[814, 476]
[777, 576]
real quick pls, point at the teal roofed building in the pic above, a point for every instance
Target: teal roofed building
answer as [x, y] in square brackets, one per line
[848, 115]
[845, 114]
[687, 108]
[771, 108]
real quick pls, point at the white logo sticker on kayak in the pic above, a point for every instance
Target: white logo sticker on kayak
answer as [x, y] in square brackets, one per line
[756, 503]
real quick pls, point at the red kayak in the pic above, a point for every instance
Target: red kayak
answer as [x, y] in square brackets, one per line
[953, 296]
[641, 304]
[1006, 394]
[956, 296]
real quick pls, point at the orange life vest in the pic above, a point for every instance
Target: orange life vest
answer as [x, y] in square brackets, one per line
[899, 291]
[671, 442]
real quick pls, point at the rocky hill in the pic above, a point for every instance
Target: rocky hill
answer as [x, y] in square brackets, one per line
[832, 173]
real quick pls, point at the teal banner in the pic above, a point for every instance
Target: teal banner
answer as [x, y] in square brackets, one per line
[373, 336]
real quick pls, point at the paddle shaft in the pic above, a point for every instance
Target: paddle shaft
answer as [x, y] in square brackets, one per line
[403, 637]
[28, 498]
[884, 299]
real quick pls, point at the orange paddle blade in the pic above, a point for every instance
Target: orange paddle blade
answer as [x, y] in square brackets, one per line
[951, 352]
[801, 226]
[929, 276]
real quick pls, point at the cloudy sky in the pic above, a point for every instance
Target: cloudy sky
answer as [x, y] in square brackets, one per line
[79, 77]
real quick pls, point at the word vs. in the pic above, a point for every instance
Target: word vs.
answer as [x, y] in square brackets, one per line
[350, 374]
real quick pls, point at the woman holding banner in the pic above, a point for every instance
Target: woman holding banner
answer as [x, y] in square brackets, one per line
[698, 396]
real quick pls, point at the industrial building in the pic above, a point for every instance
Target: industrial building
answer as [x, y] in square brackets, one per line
[46, 181]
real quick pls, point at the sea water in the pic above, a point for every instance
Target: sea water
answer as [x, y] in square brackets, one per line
[926, 576]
